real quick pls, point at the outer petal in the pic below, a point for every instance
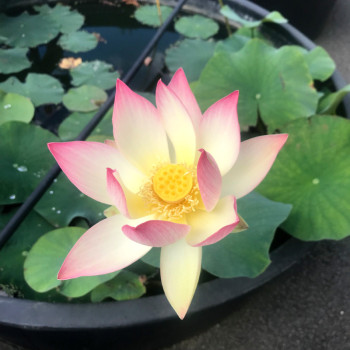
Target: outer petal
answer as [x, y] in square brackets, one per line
[179, 85]
[102, 249]
[180, 266]
[85, 165]
[209, 180]
[219, 132]
[208, 228]
[254, 161]
[177, 123]
[156, 233]
[138, 129]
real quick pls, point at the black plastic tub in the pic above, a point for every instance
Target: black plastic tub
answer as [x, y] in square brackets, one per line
[149, 322]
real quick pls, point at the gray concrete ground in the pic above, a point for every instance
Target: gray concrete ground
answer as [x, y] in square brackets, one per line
[308, 307]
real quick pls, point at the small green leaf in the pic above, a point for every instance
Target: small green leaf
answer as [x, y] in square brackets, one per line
[196, 27]
[125, 286]
[13, 60]
[231, 44]
[95, 73]
[79, 41]
[59, 211]
[45, 259]
[329, 103]
[190, 54]
[148, 14]
[246, 253]
[24, 159]
[40, 88]
[85, 98]
[15, 107]
[312, 172]
[66, 19]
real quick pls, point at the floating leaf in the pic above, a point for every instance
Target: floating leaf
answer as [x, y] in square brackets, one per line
[66, 19]
[329, 103]
[196, 27]
[13, 60]
[45, 259]
[312, 172]
[190, 54]
[15, 107]
[247, 253]
[24, 159]
[232, 44]
[148, 14]
[126, 286]
[274, 17]
[80, 41]
[55, 208]
[274, 83]
[27, 30]
[40, 88]
[85, 98]
[95, 73]
[16, 248]
[70, 62]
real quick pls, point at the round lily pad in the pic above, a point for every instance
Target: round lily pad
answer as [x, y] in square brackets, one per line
[24, 159]
[15, 107]
[85, 98]
[97, 73]
[148, 14]
[13, 60]
[79, 41]
[45, 259]
[40, 88]
[190, 54]
[196, 27]
[274, 83]
[312, 172]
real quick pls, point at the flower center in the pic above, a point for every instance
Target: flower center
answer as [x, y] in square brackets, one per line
[172, 183]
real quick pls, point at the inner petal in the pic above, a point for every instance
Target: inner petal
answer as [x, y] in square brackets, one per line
[172, 183]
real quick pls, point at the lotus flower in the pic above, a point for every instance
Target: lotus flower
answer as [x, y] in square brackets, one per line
[173, 174]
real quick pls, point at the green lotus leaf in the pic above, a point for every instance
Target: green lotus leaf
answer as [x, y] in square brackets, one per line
[196, 27]
[274, 17]
[231, 44]
[246, 253]
[312, 172]
[27, 30]
[329, 103]
[274, 83]
[79, 41]
[13, 253]
[45, 259]
[59, 211]
[40, 88]
[190, 54]
[85, 98]
[148, 14]
[24, 159]
[125, 286]
[15, 107]
[66, 19]
[97, 73]
[13, 60]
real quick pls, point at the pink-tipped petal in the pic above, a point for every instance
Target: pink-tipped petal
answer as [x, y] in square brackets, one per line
[85, 165]
[102, 249]
[180, 266]
[178, 124]
[156, 233]
[219, 132]
[255, 159]
[210, 227]
[116, 192]
[179, 85]
[209, 180]
[138, 129]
